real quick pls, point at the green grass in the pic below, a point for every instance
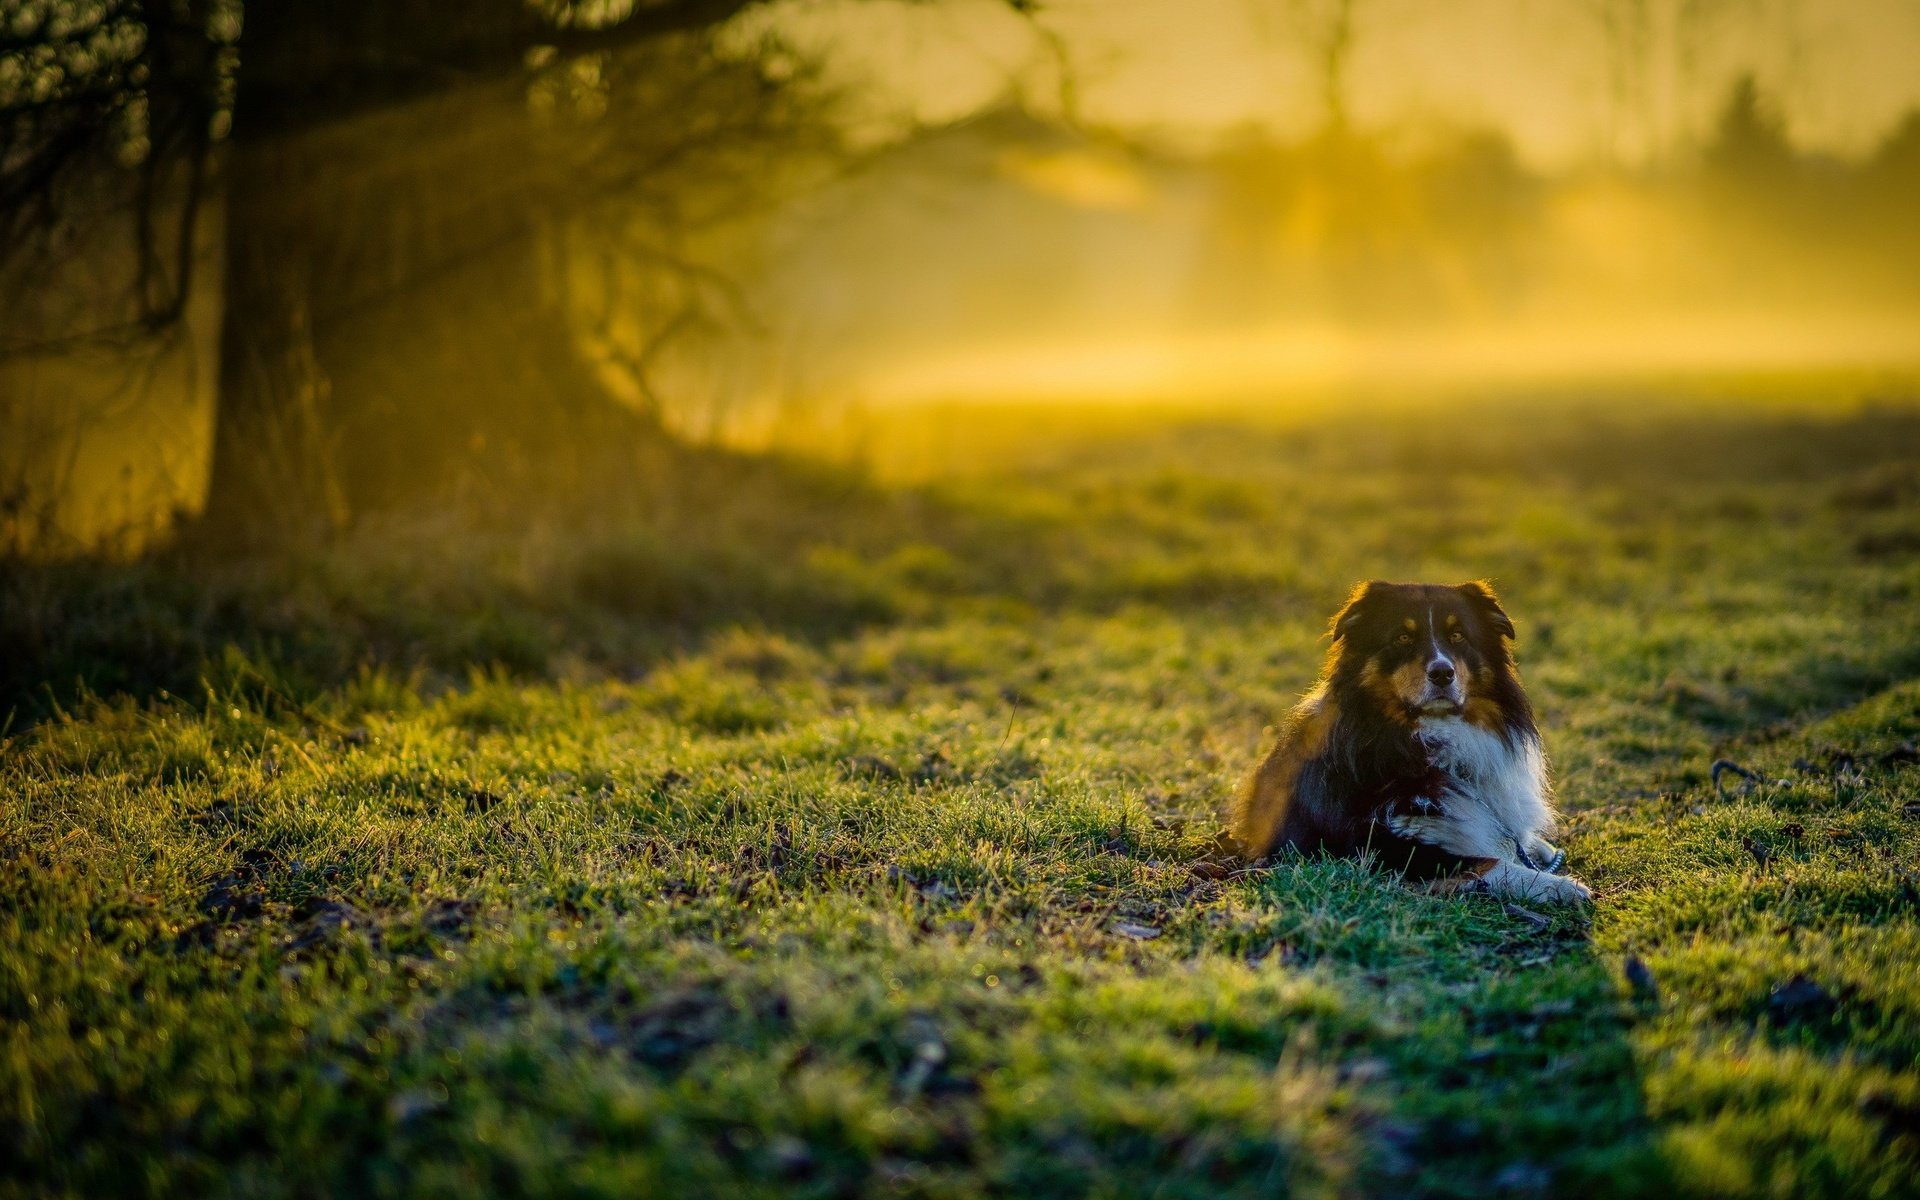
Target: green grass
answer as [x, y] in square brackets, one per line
[787, 832]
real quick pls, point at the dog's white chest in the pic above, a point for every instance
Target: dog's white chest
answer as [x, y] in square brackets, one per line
[1503, 784]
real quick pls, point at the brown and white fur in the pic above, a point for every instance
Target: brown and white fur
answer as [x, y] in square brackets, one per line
[1417, 746]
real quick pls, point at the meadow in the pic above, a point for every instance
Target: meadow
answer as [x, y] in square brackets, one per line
[765, 827]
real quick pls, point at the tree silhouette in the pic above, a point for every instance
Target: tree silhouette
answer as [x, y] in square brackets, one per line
[394, 324]
[1750, 140]
[397, 180]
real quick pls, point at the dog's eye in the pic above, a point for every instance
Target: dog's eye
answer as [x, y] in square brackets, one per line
[1405, 639]
[1457, 636]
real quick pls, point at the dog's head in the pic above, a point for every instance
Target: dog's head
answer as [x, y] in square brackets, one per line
[1423, 649]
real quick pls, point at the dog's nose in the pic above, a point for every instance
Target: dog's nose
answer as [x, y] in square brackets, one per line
[1440, 674]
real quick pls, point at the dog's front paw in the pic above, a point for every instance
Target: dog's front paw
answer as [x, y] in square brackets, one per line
[1528, 883]
[1565, 889]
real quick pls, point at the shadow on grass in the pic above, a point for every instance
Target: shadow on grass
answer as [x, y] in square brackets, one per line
[611, 578]
[1505, 1065]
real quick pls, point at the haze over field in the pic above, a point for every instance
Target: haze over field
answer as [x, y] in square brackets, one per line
[1252, 197]
[1569, 83]
[1097, 202]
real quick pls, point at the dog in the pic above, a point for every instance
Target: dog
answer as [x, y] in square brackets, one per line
[1417, 746]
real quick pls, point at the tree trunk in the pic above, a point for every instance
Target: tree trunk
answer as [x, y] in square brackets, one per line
[274, 472]
[391, 334]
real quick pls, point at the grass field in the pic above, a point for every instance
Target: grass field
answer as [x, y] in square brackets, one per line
[804, 831]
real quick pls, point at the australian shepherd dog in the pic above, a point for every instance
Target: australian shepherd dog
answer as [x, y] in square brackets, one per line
[1417, 747]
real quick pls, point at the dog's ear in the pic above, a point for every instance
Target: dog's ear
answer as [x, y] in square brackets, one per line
[1479, 593]
[1355, 609]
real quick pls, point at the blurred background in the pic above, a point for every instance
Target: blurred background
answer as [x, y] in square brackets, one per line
[269, 270]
